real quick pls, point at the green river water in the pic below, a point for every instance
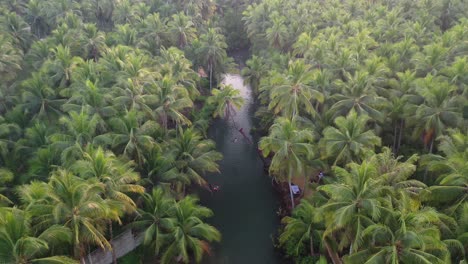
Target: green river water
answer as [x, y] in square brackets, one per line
[245, 207]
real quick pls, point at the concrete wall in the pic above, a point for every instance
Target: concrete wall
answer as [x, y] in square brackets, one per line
[123, 244]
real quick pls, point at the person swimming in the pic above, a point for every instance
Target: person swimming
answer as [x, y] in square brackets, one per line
[213, 188]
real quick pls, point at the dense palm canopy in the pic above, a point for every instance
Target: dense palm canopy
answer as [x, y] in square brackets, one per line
[19, 245]
[101, 100]
[365, 76]
[93, 94]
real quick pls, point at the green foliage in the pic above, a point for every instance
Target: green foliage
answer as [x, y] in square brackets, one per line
[95, 106]
[373, 80]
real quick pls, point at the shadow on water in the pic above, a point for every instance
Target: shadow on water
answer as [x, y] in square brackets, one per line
[245, 207]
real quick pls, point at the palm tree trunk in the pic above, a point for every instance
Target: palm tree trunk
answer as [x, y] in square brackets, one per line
[164, 117]
[394, 138]
[427, 167]
[402, 123]
[81, 252]
[432, 144]
[334, 257]
[114, 256]
[306, 181]
[211, 76]
[290, 189]
[312, 252]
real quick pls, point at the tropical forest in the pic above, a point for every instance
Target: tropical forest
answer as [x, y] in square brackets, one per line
[233, 131]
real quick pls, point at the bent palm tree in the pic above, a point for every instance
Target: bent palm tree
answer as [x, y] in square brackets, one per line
[291, 148]
[226, 99]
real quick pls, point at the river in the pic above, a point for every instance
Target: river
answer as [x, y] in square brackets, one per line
[245, 207]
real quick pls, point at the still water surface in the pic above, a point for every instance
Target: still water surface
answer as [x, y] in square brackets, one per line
[245, 207]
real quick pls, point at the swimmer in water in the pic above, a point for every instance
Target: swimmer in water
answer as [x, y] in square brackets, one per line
[213, 188]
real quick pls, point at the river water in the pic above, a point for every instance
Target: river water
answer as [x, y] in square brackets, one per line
[245, 207]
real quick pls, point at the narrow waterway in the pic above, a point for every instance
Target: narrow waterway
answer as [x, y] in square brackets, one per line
[245, 207]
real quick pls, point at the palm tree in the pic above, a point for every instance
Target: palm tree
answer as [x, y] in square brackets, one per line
[277, 35]
[40, 99]
[213, 51]
[175, 64]
[305, 224]
[154, 216]
[400, 102]
[62, 65]
[80, 130]
[117, 177]
[10, 58]
[93, 42]
[303, 44]
[253, 71]
[358, 93]
[397, 174]
[431, 60]
[130, 95]
[440, 109]
[6, 176]
[114, 60]
[129, 136]
[14, 25]
[76, 204]
[296, 92]
[125, 35]
[134, 68]
[226, 99]
[456, 73]
[188, 234]
[353, 203]
[38, 53]
[36, 18]
[19, 245]
[182, 28]
[451, 184]
[154, 32]
[122, 13]
[349, 140]
[172, 99]
[93, 99]
[406, 236]
[193, 156]
[291, 148]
